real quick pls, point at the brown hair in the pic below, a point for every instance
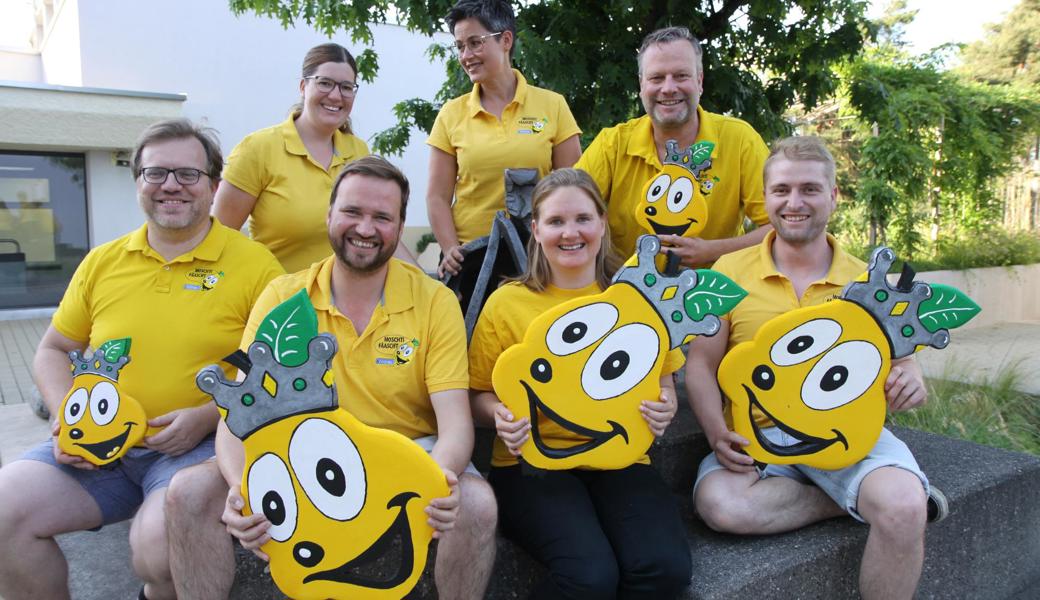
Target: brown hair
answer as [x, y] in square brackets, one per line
[539, 273]
[376, 166]
[801, 147]
[666, 35]
[317, 56]
[176, 129]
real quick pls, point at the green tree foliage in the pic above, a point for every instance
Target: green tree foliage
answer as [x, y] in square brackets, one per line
[1010, 52]
[761, 56]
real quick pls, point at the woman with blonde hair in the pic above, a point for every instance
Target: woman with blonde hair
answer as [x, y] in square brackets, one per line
[601, 533]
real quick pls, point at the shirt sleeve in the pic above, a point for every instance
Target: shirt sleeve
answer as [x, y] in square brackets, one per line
[72, 319]
[597, 161]
[753, 160]
[567, 127]
[485, 347]
[268, 299]
[439, 134]
[446, 364]
[244, 167]
[673, 361]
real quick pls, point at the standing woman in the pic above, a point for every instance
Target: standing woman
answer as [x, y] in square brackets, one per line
[281, 177]
[601, 533]
[503, 123]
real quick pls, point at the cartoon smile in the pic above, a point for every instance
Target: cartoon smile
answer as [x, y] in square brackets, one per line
[807, 444]
[596, 438]
[107, 449]
[397, 537]
[660, 229]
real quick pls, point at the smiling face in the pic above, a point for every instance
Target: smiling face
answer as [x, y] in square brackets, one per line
[818, 373]
[569, 230]
[799, 199]
[491, 60]
[98, 423]
[582, 370]
[365, 222]
[170, 205]
[670, 84]
[327, 110]
[672, 204]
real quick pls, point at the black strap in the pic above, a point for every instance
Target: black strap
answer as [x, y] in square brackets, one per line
[906, 278]
[240, 360]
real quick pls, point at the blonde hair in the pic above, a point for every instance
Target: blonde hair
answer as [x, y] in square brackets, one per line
[539, 273]
[317, 56]
[798, 148]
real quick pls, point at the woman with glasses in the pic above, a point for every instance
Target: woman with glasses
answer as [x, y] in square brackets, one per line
[503, 123]
[280, 177]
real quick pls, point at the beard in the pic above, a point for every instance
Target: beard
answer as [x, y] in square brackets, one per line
[673, 120]
[804, 234]
[191, 215]
[359, 261]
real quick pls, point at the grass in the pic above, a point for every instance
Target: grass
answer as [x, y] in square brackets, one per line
[991, 412]
[993, 248]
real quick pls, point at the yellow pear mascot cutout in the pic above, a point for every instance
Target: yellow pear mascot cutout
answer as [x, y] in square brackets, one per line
[818, 373]
[98, 422]
[671, 202]
[346, 501]
[584, 366]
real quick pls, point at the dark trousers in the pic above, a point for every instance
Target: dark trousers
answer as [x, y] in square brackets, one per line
[601, 534]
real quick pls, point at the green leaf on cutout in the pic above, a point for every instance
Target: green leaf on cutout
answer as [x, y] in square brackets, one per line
[112, 350]
[288, 328]
[700, 152]
[946, 309]
[714, 294]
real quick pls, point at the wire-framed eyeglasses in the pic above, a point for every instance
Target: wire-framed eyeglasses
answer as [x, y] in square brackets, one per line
[326, 85]
[183, 175]
[474, 44]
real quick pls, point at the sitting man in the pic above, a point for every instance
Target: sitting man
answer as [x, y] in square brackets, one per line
[797, 265]
[181, 288]
[362, 295]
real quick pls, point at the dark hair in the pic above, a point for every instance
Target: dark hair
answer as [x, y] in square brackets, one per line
[801, 147]
[376, 166]
[539, 273]
[177, 129]
[666, 35]
[317, 56]
[494, 15]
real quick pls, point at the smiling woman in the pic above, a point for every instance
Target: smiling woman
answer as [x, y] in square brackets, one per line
[280, 177]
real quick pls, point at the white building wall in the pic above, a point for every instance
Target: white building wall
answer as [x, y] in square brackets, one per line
[242, 73]
[60, 49]
[20, 65]
[111, 198]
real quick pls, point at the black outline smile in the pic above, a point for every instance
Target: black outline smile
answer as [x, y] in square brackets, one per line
[598, 438]
[670, 229]
[808, 444]
[101, 449]
[400, 528]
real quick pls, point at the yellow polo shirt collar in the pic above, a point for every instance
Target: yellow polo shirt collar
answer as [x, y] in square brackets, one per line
[837, 274]
[643, 146]
[473, 100]
[209, 249]
[294, 145]
[319, 287]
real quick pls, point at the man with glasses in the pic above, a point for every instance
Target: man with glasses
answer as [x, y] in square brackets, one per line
[180, 288]
[622, 158]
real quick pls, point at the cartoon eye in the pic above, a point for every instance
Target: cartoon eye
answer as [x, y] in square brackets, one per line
[76, 406]
[763, 377]
[680, 195]
[658, 188]
[406, 350]
[104, 403]
[805, 342]
[329, 468]
[841, 375]
[620, 362]
[580, 328]
[271, 491]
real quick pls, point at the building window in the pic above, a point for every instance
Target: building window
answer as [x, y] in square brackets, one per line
[43, 226]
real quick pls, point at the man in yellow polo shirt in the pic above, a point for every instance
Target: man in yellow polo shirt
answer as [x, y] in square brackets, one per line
[372, 303]
[623, 158]
[799, 264]
[180, 288]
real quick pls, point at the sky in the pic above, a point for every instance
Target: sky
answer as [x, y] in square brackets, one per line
[938, 22]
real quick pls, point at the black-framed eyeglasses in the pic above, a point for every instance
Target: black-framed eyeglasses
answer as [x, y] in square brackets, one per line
[183, 175]
[326, 85]
[474, 43]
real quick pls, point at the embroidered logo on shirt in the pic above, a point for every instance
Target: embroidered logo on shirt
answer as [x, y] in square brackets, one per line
[532, 125]
[204, 280]
[396, 349]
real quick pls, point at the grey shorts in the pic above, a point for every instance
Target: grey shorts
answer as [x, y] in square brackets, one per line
[427, 443]
[121, 487]
[841, 485]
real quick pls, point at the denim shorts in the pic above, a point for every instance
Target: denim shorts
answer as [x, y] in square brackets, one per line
[120, 488]
[842, 485]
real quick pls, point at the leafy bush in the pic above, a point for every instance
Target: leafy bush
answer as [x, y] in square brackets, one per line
[994, 247]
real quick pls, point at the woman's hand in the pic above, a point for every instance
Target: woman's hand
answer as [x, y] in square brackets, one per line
[513, 433]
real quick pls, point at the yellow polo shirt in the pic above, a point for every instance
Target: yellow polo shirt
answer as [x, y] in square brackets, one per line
[484, 146]
[291, 190]
[180, 315]
[373, 382]
[502, 323]
[623, 158]
[770, 293]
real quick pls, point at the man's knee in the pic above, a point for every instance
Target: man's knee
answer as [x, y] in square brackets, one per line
[661, 572]
[198, 490]
[896, 504]
[148, 546]
[478, 512]
[587, 579]
[722, 507]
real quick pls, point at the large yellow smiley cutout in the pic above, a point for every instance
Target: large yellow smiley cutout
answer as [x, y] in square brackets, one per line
[346, 501]
[671, 202]
[98, 422]
[585, 366]
[818, 373]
